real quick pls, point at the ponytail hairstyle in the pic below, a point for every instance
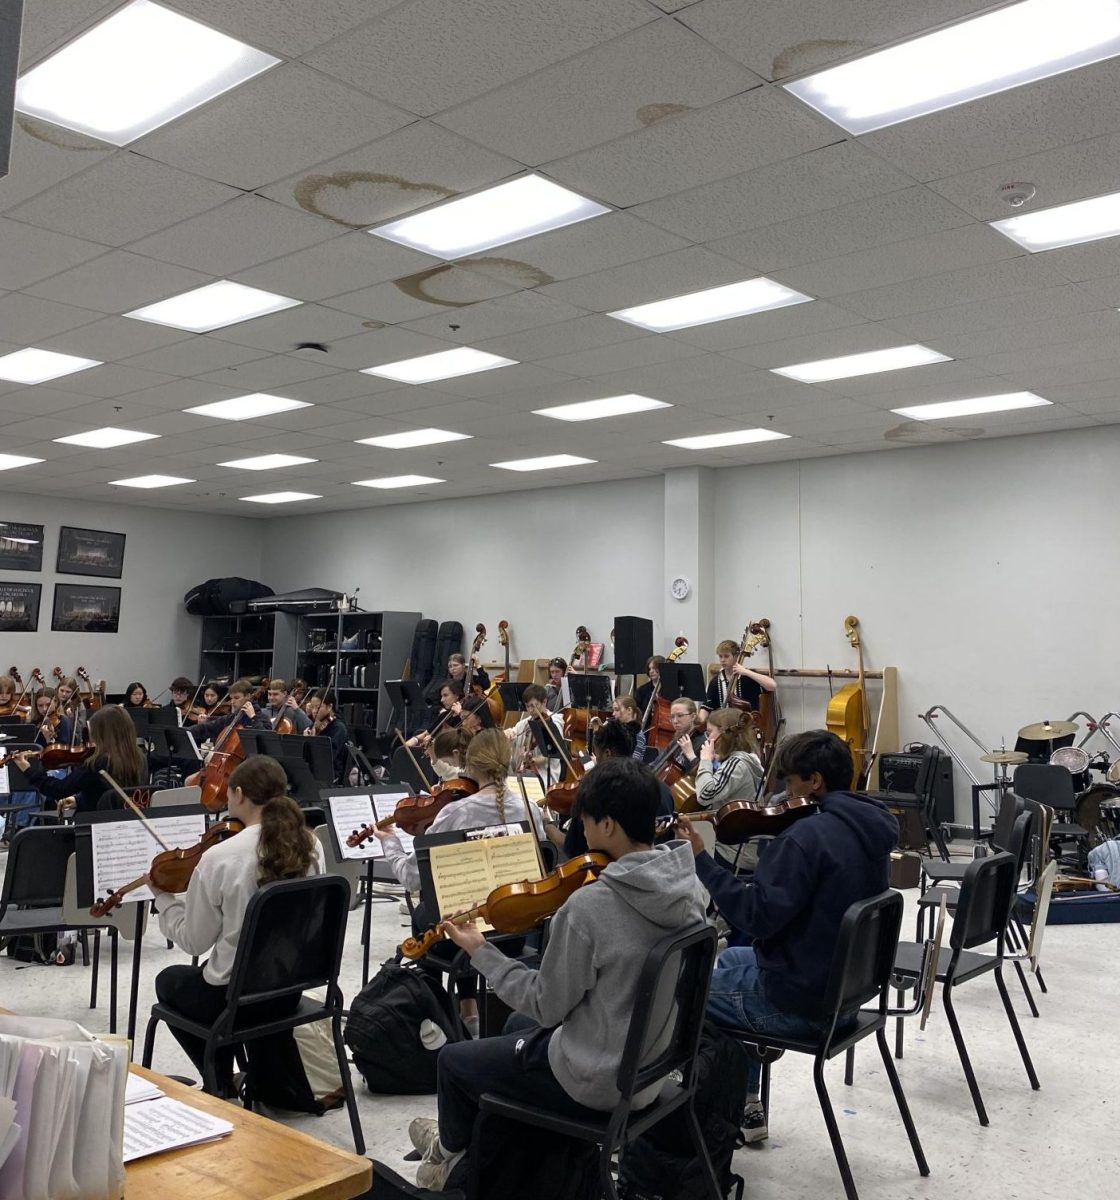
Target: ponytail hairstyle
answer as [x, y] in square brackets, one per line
[735, 732]
[114, 738]
[287, 847]
[487, 763]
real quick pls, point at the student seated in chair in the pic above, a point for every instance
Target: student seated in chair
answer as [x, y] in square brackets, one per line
[562, 1047]
[788, 917]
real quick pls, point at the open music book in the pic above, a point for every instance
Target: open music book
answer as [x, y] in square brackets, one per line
[465, 873]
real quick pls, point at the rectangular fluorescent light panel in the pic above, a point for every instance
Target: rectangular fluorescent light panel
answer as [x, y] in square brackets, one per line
[9, 461]
[1065, 225]
[149, 481]
[397, 481]
[38, 366]
[445, 364]
[1014, 45]
[508, 212]
[281, 497]
[213, 307]
[712, 304]
[870, 363]
[609, 406]
[267, 462]
[245, 408]
[135, 71]
[414, 437]
[970, 408]
[107, 438]
[547, 462]
[739, 437]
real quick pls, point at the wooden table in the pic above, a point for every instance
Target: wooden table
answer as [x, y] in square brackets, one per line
[260, 1160]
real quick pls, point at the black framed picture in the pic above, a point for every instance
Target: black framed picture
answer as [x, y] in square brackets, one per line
[19, 607]
[83, 608]
[90, 552]
[21, 546]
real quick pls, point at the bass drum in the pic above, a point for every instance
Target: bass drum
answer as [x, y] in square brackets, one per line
[1076, 762]
[1093, 806]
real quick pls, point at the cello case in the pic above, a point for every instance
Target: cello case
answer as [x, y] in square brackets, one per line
[422, 660]
[449, 641]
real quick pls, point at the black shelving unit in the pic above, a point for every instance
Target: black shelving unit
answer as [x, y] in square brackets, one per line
[236, 647]
[363, 649]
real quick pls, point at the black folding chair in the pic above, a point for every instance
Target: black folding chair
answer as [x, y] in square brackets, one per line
[677, 971]
[291, 942]
[860, 972]
[987, 893]
[1052, 785]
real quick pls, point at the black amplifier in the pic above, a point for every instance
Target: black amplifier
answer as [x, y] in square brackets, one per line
[902, 772]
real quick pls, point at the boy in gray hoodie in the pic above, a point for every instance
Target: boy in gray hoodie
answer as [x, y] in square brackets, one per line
[562, 1047]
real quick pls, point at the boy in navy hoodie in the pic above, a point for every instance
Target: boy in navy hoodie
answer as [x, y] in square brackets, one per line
[788, 916]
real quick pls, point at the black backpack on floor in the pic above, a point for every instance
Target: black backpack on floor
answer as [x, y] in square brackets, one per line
[383, 1030]
[388, 1185]
[661, 1164]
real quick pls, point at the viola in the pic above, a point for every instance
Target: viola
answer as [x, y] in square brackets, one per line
[738, 821]
[519, 907]
[414, 814]
[170, 870]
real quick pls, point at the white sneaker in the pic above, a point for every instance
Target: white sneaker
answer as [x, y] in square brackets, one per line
[423, 1133]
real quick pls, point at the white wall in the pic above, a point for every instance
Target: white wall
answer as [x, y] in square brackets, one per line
[165, 554]
[985, 571]
[545, 560]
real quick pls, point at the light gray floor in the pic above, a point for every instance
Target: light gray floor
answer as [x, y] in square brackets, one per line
[1059, 1142]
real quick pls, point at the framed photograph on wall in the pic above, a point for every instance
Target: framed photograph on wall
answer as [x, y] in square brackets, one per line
[90, 552]
[19, 607]
[21, 546]
[80, 608]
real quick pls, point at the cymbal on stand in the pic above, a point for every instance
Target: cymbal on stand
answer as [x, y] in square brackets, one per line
[1046, 731]
[1010, 757]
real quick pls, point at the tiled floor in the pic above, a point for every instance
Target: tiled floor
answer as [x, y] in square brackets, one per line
[1059, 1142]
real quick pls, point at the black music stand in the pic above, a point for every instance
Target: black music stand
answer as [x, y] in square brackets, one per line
[593, 690]
[683, 679]
[513, 696]
[165, 715]
[303, 787]
[406, 697]
[83, 848]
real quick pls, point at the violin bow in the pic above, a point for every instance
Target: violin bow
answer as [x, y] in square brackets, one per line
[130, 803]
[412, 757]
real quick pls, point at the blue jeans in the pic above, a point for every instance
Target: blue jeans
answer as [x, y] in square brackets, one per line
[737, 998]
[17, 820]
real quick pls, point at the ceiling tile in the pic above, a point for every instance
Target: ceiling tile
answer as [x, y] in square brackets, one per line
[118, 282]
[28, 254]
[1010, 338]
[995, 312]
[46, 25]
[43, 155]
[798, 36]
[195, 356]
[931, 254]
[1001, 128]
[815, 182]
[491, 318]
[639, 352]
[382, 346]
[120, 199]
[28, 320]
[265, 373]
[873, 221]
[634, 81]
[564, 337]
[413, 167]
[739, 134]
[283, 331]
[338, 267]
[688, 270]
[779, 325]
[854, 339]
[1088, 262]
[112, 379]
[289, 27]
[237, 138]
[235, 236]
[428, 55]
[111, 339]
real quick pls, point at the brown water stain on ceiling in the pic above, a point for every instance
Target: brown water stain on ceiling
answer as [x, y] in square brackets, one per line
[456, 285]
[358, 199]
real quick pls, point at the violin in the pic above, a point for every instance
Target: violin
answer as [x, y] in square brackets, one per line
[170, 870]
[738, 821]
[519, 907]
[414, 814]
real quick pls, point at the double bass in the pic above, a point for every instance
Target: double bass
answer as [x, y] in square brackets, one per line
[655, 720]
[471, 686]
[848, 715]
[493, 693]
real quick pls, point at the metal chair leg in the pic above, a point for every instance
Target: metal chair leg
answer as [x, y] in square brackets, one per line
[149, 1041]
[833, 1130]
[347, 1085]
[900, 1100]
[962, 1054]
[701, 1149]
[899, 1033]
[96, 965]
[1020, 1041]
[850, 1065]
[1026, 988]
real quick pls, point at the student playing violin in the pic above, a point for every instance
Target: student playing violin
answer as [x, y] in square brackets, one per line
[136, 696]
[329, 725]
[181, 692]
[51, 724]
[535, 702]
[442, 714]
[562, 1048]
[112, 738]
[210, 698]
[786, 920]
[275, 844]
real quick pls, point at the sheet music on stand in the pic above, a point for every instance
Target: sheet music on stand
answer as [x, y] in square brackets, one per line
[352, 811]
[123, 850]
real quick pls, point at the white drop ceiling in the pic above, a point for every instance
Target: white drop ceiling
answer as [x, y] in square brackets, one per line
[668, 112]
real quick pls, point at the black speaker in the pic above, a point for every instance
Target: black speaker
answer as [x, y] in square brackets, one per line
[633, 645]
[900, 773]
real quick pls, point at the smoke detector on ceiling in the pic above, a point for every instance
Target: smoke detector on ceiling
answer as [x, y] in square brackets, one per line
[1017, 194]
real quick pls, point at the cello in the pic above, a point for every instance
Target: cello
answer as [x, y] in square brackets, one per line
[848, 715]
[228, 752]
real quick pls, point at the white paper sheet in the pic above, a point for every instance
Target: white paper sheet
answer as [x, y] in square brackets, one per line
[384, 806]
[123, 850]
[157, 1125]
[349, 813]
[138, 1089]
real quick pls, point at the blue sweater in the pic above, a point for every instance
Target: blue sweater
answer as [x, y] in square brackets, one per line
[806, 880]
